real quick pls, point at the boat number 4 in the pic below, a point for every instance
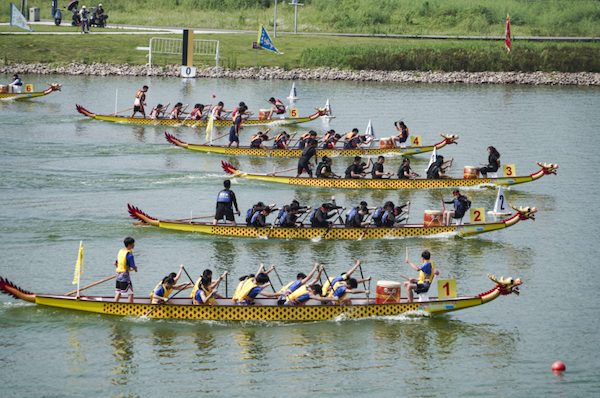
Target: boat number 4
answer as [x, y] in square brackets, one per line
[416, 140]
[446, 288]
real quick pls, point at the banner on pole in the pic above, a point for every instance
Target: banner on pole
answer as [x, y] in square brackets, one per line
[209, 125]
[78, 265]
[264, 40]
[507, 41]
[17, 19]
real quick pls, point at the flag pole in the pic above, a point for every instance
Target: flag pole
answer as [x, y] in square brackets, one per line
[80, 271]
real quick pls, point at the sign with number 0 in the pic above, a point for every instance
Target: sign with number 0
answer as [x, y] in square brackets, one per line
[29, 88]
[446, 288]
[478, 216]
[294, 112]
[188, 71]
[509, 170]
[415, 140]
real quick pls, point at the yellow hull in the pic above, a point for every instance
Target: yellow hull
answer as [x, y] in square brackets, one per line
[295, 153]
[23, 95]
[268, 311]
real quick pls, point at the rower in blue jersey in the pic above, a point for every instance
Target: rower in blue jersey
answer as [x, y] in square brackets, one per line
[336, 289]
[205, 292]
[301, 280]
[162, 292]
[251, 286]
[225, 202]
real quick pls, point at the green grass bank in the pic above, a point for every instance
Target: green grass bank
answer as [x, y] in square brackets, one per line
[444, 17]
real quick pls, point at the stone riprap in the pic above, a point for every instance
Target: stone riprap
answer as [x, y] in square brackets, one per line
[277, 73]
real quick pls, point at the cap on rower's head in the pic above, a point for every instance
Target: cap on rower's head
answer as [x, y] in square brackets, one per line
[406, 160]
[83, 7]
[389, 204]
[271, 99]
[325, 159]
[456, 191]
[99, 5]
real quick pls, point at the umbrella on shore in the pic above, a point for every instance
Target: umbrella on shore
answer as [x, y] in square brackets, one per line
[72, 5]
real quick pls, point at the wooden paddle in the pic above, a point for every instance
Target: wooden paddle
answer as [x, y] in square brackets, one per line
[88, 286]
[164, 302]
[367, 227]
[128, 109]
[276, 273]
[281, 171]
[188, 275]
[364, 284]
[214, 139]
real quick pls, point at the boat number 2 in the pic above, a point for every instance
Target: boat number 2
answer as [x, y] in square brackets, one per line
[477, 215]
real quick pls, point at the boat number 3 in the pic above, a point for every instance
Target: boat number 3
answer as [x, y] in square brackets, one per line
[508, 171]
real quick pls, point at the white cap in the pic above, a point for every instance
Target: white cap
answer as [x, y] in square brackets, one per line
[99, 5]
[83, 7]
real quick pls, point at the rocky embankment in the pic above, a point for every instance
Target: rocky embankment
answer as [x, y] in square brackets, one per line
[276, 73]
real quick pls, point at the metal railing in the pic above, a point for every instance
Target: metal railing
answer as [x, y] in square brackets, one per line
[161, 45]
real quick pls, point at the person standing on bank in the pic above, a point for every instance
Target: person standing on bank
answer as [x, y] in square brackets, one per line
[124, 264]
[140, 102]
[225, 202]
[85, 20]
[426, 276]
[493, 162]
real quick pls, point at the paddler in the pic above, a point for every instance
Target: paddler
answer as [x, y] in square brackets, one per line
[393, 218]
[140, 102]
[124, 264]
[356, 169]
[276, 106]
[251, 286]
[320, 215]
[379, 213]
[288, 215]
[377, 172]
[280, 141]
[225, 202]
[218, 109]
[178, 111]
[357, 216]
[238, 111]
[301, 279]
[164, 290]
[305, 139]
[204, 293]
[259, 219]
[172, 275]
[403, 129]
[330, 139]
[234, 131]
[159, 111]
[257, 140]
[437, 168]
[198, 112]
[336, 289]
[426, 275]
[304, 164]
[405, 172]
[353, 139]
[324, 168]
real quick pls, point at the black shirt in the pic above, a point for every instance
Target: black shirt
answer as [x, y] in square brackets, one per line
[402, 170]
[377, 167]
[356, 168]
[493, 162]
[307, 153]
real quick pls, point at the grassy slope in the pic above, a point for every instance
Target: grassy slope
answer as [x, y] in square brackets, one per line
[455, 17]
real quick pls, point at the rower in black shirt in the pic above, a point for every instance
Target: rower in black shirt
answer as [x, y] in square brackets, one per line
[357, 169]
[405, 172]
[321, 215]
[377, 171]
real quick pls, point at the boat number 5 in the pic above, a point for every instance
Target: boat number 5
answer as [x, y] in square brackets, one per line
[294, 112]
[446, 288]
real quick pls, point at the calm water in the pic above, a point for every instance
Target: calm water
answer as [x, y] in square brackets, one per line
[66, 178]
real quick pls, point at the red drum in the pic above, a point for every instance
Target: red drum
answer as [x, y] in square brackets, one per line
[433, 218]
[3, 89]
[471, 172]
[387, 292]
[386, 143]
[263, 114]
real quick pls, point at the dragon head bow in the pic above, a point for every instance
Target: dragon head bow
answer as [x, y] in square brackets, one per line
[548, 168]
[54, 86]
[506, 286]
[322, 111]
[525, 213]
[449, 138]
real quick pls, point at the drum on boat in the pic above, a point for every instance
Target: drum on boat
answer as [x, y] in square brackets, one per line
[386, 143]
[3, 89]
[263, 114]
[433, 218]
[387, 292]
[471, 172]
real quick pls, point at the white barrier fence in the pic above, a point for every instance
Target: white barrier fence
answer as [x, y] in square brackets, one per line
[161, 45]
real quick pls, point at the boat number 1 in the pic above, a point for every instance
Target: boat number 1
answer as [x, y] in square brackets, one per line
[294, 112]
[446, 288]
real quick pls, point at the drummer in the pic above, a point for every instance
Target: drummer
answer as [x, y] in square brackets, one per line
[461, 205]
[426, 275]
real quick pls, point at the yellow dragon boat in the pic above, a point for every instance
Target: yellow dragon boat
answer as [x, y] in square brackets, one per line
[268, 310]
[334, 232]
[281, 121]
[388, 183]
[21, 96]
[296, 153]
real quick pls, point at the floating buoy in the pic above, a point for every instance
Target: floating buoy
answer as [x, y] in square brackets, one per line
[558, 367]
[213, 96]
[436, 272]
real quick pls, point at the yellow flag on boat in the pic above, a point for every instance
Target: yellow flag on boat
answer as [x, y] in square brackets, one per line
[209, 125]
[78, 265]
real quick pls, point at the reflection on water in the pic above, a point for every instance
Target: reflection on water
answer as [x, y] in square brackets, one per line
[121, 340]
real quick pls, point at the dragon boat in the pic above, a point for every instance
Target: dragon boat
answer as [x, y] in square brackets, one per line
[388, 183]
[268, 310]
[334, 231]
[296, 153]
[19, 96]
[281, 121]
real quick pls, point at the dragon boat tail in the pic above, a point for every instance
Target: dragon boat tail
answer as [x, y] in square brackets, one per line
[197, 123]
[334, 232]
[296, 153]
[268, 310]
[388, 183]
[20, 96]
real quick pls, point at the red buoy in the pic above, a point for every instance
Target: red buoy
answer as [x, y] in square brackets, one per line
[558, 366]
[213, 96]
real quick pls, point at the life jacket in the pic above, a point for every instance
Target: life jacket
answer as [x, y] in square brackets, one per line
[279, 140]
[433, 172]
[256, 140]
[279, 105]
[464, 204]
[284, 288]
[255, 217]
[384, 218]
[122, 260]
[175, 113]
[428, 279]
[350, 216]
[303, 140]
[152, 111]
[166, 293]
[235, 113]
[403, 134]
[312, 214]
[377, 213]
[243, 289]
[249, 214]
[280, 216]
[141, 96]
[218, 113]
[350, 136]
[283, 218]
[207, 292]
[299, 296]
[196, 114]
[319, 168]
[332, 290]
[224, 196]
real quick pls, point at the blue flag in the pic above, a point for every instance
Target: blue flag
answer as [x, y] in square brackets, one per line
[264, 40]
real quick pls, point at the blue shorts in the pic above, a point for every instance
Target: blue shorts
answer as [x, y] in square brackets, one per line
[233, 137]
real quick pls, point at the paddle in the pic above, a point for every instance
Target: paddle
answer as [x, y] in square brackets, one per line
[214, 139]
[93, 284]
[408, 279]
[365, 230]
[406, 219]
[226, 285]
[280, 171]
[296, 227]
[364, 284]
[276, 273]
[163, 302]
[188, 275]
[128, 109]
